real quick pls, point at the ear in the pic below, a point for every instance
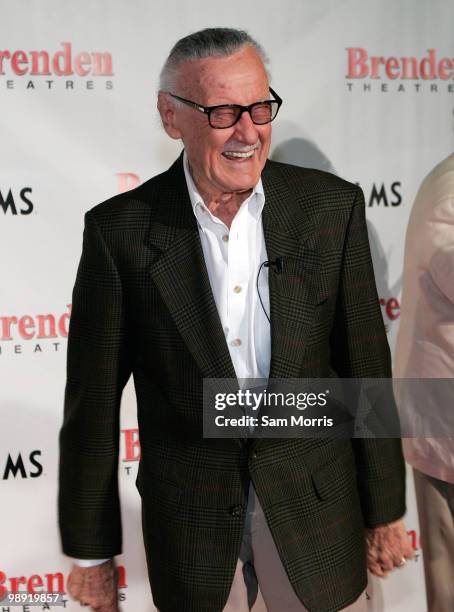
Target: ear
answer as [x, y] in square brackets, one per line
[167, 110]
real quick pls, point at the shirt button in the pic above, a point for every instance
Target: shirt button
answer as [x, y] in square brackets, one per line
[236, 342]
[236, 510]
[225, 237]
[237, 289]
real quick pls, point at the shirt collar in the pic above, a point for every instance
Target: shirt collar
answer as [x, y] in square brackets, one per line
[255, 201]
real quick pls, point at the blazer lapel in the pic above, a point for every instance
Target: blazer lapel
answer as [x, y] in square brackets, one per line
[289, 233]
[179, 272]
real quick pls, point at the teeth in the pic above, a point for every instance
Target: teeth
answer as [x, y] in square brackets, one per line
[238, 154]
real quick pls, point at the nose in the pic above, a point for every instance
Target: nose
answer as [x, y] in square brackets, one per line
[246, 130]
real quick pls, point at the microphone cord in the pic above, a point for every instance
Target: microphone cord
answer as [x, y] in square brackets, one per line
[267, 264]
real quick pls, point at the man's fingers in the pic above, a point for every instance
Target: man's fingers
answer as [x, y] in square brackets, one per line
[372, 555]
[376, 569]
[396, 553]
[405, 542]
[382, 555]
[110, 607]
[388, 547]
[386, 561]
[407, 549]
[403, 553]
[402, 548]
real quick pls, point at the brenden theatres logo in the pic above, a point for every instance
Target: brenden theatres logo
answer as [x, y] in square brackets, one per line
[429, 72]
[38, 333]
[61, 68]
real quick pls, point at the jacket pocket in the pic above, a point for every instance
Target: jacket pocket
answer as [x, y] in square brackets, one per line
[336, 478]
[153, 486]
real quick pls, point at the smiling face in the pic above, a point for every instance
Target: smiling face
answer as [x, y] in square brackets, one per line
[221, 160]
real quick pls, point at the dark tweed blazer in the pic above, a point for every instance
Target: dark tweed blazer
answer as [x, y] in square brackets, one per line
[142, 304]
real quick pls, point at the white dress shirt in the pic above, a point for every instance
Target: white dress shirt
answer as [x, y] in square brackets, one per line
[233, 257]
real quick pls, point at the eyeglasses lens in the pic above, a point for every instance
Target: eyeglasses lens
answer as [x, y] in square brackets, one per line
[261, 113]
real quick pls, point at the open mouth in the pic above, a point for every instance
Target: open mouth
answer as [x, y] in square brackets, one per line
[240, 155]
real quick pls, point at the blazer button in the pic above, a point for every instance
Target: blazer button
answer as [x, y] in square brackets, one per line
[253, 454]
[236, 510]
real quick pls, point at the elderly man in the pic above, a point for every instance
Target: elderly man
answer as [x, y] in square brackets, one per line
[167, 289]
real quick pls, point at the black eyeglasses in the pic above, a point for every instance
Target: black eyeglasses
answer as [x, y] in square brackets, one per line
[225, 115]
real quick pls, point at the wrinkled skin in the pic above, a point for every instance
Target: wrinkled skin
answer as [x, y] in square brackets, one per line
[388, 547]
[95, 586]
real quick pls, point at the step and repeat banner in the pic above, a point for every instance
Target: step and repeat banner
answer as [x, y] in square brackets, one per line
[368, 90]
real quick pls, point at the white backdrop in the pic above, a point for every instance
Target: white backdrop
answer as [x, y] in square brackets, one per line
[89, 128]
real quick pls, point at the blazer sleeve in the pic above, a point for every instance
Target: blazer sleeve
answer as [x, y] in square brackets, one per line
[360, 350]
[97, 371]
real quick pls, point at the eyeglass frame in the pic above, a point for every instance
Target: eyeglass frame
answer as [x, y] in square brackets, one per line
[209, 109]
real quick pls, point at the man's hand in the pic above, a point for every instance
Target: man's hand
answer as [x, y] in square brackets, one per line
[95, 586]
[388, 546]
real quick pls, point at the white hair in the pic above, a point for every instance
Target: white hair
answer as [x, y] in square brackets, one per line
[210, 42]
